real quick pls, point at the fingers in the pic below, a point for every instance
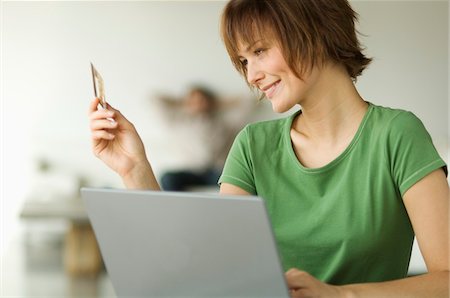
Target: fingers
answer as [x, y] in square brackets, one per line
[102, 124]
[298, 294]
[102, 114]
[117, 114]
[102, 120]
[96, 113]
[105, 123]
[102, 135]
[109, 113]
[109, 107]
[296, 279]
[94, 104]
[102, 129]
[297, 282]
[93, 109]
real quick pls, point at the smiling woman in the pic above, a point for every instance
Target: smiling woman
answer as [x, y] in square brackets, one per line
[345, 190]
[343, 178]
[161, 45]
[291, 48]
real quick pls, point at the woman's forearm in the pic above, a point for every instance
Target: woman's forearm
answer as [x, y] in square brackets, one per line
[435, 284]
[141, 177]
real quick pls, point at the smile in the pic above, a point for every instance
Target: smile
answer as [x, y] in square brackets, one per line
[270, 89]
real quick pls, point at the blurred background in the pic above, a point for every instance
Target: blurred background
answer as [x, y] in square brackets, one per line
[144, 50]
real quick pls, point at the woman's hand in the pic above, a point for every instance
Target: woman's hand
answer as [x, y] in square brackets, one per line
[116, 142]
[302, 284]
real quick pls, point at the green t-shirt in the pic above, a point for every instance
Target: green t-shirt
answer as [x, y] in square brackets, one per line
[344, 222]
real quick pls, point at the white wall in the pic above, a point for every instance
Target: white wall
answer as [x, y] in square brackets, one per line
[143, 47]
[409, 43]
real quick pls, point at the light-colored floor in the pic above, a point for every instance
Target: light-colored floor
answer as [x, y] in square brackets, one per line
[32, 266]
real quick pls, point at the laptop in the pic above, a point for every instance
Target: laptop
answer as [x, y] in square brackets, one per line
[174, 244]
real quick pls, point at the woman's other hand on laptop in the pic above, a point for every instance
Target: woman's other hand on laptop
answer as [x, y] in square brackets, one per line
[303, 284]
[116, 142]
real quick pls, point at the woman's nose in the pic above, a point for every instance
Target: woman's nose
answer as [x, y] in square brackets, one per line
[254, 74]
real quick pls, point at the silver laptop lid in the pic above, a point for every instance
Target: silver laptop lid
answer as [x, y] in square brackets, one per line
[171, 244]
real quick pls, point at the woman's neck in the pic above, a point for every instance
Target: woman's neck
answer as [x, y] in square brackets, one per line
[332, 109]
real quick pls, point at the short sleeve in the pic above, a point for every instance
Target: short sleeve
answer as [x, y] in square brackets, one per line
[410, 151]
[238, 168]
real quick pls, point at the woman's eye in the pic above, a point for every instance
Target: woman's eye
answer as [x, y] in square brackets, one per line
[244, 62]
[259, 52]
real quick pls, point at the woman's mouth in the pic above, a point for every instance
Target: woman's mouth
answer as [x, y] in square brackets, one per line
[271, 89]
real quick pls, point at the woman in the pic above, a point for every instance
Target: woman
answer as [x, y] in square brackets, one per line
[347, 183]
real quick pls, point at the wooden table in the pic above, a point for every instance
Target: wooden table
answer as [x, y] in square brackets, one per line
[81, 252]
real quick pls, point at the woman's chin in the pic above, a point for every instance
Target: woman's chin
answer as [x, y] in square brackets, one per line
[279, 108]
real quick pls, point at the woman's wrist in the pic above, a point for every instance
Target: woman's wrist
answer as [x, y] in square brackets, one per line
[345, 291]
[141, 177]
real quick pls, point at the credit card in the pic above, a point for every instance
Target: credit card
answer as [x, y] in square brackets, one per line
[99, 86]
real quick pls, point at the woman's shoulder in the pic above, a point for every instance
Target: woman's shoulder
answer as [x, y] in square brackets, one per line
[394, 118]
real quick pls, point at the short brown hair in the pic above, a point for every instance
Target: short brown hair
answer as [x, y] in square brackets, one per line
[309, 32]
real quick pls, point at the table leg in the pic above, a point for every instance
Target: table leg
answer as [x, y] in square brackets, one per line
[81, 252]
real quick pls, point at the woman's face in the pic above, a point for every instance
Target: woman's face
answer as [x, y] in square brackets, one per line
[268, 71]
